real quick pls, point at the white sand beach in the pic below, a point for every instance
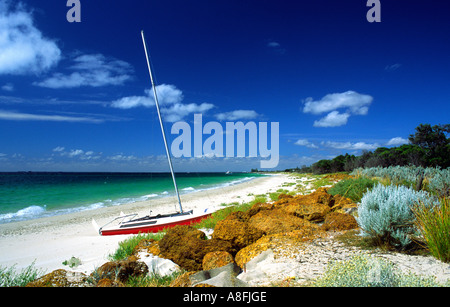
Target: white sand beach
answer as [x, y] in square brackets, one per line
[50, 241]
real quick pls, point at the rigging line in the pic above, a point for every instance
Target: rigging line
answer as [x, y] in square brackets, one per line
[161, 122]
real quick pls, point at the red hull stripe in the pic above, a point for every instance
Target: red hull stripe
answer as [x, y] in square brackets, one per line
[153, 228]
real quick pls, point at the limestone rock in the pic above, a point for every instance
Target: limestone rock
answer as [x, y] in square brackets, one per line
[121, 270]
[61, 278]
[216, 260]
[224, 276]
[186, 246]
[236, 230]
[276, 221]
[339, 221]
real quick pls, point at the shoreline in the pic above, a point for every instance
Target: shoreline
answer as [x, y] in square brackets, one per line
[51, 240]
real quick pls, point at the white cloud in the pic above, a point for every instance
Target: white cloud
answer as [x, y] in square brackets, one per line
[275, 47]
[397, 141]
[76, 152]
[8, 87]
[273, 44]
[350, 146]
[23, 48]
[170, 99]
[94, 70]
[393, 67]
[352, 102]
[8, 115]
[167, 94]
[58, 149]
[122, 158]
[334, 119]
[355, 103]
[306, 143]
[178, 111]
[236, 115]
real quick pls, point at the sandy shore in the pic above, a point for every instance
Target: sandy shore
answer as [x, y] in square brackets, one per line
[50, 241]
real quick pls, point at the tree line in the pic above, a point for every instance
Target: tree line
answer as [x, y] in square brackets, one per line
[429, 146]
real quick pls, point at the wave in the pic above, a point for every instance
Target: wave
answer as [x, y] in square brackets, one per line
[23, 214]
[34, 211]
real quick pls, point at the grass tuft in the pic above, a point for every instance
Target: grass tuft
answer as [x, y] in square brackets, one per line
[434, 225]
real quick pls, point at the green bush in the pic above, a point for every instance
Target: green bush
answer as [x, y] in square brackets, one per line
[364, 271]
[127, 246]
[434, 225]
[353, 188]
[386, 214]
[9, 277]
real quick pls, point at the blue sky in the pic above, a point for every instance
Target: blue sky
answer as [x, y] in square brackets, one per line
[76, 96]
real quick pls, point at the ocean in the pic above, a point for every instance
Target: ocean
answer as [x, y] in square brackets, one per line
[30, 195]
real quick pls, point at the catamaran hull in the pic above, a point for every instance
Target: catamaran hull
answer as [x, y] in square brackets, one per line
[154, 225]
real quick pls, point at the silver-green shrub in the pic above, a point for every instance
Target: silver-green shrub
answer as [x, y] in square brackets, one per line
[438, 179]
[440, 183]
[365, 271]
[386, 215]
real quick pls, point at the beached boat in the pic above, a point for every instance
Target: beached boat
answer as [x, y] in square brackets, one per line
[131, 223]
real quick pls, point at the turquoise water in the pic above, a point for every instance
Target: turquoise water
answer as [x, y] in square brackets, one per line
[25, 196]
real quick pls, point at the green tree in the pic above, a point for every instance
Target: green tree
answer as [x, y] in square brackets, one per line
[435, 142]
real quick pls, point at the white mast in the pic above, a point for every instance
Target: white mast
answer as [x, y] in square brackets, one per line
[161, 123]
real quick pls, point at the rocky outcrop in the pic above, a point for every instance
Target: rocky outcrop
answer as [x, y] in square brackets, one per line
[339, 221]
[121, 271]
[62, 278]
[217, 259]
[289, 221]
[186, 246]
[236, 230]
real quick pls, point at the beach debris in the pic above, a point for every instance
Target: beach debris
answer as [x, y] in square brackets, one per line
[73, 262]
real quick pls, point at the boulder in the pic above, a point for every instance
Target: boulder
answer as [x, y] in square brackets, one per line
[182, 280]
[158, 266]
[109, 283]
[224, 276]
[121, 270]
[186, 246]
[236, 230]
[276, 221]
[319, 196]
[339, 221]
[149, 246]
[279, 243]
[61, 278]
[312, 207]
[216, 260]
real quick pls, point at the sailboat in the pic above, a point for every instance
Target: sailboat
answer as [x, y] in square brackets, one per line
[131, 223]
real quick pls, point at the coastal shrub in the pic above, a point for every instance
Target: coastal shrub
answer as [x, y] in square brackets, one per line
[386, 214]
[437, 180]
[352, 188]
[365, 271]
[10, 277]
[434, 225]
[440, 183]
